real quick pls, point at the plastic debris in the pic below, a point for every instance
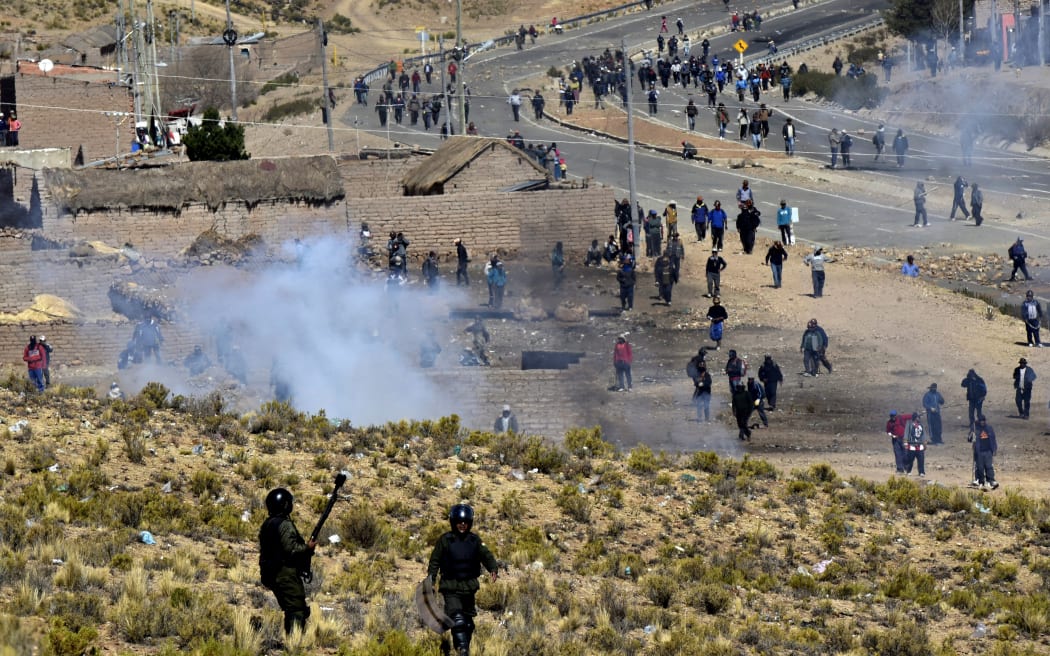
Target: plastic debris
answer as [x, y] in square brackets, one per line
[458, 484]
[979, 631]
[982, 508]
[649, 628]
[57, 561]
[198, 449]
[166, 488]
[688, 478]
[822, 565]
[581, 488]
[246, 516]
[334, 539]
[146, 537]
[16, 428]
[53, 468]
[517, 474]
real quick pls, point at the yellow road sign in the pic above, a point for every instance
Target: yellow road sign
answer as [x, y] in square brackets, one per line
[740, 46]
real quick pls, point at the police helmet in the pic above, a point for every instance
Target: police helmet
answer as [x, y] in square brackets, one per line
[279, 502]
[461, 512]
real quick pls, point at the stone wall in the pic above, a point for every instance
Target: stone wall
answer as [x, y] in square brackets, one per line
[82, 281]
[46, 107]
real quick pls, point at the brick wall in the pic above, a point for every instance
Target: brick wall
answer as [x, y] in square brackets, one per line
[48, 108]
[497, 168]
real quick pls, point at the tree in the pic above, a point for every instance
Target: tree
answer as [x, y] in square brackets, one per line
[213, 142]
[910, 19]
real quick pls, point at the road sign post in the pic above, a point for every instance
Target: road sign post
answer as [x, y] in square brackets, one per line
[740, 46]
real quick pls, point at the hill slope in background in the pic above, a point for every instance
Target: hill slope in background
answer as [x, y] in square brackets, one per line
[638, 553]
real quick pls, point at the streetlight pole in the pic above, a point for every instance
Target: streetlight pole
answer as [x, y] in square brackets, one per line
[461, 101]
[230, 38]
[631, 184]
[323, 39]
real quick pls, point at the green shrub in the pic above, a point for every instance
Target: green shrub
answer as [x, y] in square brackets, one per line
[153, 396]
[588, 442]
[539, 455]
[297, 107]
[851, 93]
[361, 527]
[340, 25]
[642, 460]
[659, 589]
[906, 639]
[573, 503]
[289, 79]
[64, 641]
[205, 482]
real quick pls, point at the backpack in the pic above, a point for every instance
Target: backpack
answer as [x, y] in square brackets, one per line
[665, 276]
[917, 434]
[847, 141]
[980, 388]
[692, 368]
[813, 341]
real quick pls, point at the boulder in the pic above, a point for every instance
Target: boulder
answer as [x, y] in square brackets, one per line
[571, 312]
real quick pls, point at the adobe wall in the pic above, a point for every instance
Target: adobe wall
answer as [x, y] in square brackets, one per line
[529, 222]
[496, 169]
[93, 342]
[165, 234]
[84, 282]
[46, 108]
[376, 178]
[546, 402]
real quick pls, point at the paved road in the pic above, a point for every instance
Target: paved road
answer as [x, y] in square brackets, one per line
[842, 215]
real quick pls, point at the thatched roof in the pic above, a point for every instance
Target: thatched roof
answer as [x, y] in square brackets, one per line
[313, 179]
[454, 154]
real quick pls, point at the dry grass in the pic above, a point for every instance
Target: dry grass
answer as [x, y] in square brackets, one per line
[667, 554]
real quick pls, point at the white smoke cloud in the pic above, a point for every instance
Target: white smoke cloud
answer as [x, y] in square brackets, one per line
[341, 341]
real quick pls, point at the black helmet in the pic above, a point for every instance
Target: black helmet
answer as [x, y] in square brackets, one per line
[279, 502]
[461, 512]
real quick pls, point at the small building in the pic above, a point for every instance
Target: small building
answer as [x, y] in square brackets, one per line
[472, 164]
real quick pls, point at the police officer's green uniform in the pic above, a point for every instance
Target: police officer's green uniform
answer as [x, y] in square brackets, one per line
[459, 557]
[283, 557]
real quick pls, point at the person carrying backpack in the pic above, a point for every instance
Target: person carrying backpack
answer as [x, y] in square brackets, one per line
[915, 444]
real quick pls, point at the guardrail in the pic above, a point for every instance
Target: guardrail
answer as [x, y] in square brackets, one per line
[507, 39]
[816, 42]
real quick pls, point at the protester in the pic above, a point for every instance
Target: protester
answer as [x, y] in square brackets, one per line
[623, 356]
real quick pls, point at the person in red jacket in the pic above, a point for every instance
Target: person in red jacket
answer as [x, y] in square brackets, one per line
[35, 356]
[622, 359]
[895, 429]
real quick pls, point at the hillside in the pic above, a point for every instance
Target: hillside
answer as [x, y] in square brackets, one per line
[636, 553]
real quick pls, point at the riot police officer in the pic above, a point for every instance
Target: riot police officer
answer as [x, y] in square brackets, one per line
[459, 556]
[283, 559]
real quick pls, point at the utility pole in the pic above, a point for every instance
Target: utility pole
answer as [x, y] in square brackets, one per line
[323, 39]
[1042, 34]
[962, 38]
[631, 185]
[448, 110]
[461, 102]
[229, 37]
